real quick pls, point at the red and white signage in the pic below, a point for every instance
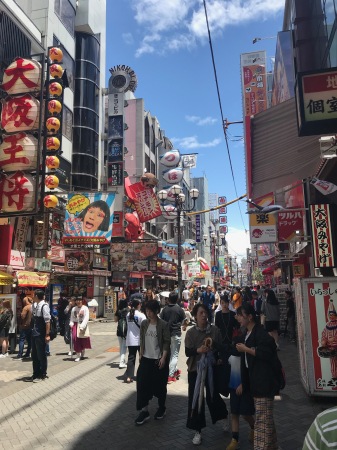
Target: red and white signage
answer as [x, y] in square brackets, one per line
[18, 152]
[322, 236]
[16, 193]
[288, 223]
[20, 113]
[145, 201]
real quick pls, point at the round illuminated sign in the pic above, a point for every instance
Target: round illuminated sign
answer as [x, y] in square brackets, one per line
[122, 79]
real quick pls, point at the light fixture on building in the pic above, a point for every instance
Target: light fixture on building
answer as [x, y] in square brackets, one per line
[328, 146]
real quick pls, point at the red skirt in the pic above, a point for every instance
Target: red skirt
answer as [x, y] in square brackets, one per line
[79, 344]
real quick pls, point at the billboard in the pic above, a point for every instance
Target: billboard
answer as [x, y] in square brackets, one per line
[134, 256]
[89, 218]
[78, 260]
[254, 82]
[262, 226]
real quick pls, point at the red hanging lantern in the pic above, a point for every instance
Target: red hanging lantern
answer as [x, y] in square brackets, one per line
[22, 75]
[51, 182]
[54, 106]
[20, 113]
[56, 71]
[50, 201]
[56, 54]
[53, 124]
[52, 162]
[55, 89]
[17, 193]
[53, 143]
[18, 152]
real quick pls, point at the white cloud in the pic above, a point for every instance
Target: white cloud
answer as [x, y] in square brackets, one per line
[238, 242]
[181, 23]
[191, 142]
[128, 38]
[147, 45]
[201, 120]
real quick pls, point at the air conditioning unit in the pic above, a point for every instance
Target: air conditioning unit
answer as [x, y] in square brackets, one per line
[328, 146]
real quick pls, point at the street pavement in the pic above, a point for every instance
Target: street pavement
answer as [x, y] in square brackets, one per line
[85, 405]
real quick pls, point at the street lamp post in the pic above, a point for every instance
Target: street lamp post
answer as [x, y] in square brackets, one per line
[179, 203]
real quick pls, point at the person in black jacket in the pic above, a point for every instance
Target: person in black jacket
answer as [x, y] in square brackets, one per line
[258, 376]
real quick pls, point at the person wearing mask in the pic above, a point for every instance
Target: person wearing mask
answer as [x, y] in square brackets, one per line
[175, 316]
[40, 337]
[258, 376]
[153, 367]
[134, 319]
[25, 328]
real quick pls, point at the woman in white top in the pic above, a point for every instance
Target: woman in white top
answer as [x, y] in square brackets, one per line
[79, 319]
[134, 319]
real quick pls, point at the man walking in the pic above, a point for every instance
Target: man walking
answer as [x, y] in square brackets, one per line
[175, 316]
[208, 299]
[40, 337]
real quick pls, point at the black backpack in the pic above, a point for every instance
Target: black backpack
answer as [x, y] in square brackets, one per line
[5, 319]
[122, 327]
[53, 325]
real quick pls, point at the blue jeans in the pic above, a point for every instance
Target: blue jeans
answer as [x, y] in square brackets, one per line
[175, 347]
[39, 356]
[25, 335]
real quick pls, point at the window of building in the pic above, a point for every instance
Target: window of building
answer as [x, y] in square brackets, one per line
[68, 63]
[85, 140]
[66, 13]
[86, 94]
[147, 131]
[153, 168]
[86, 118]
[147, 163]
[153, 230]
[67, 123]
[88, 48]
[153, 141]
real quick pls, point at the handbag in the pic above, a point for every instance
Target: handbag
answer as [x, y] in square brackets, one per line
[83, 333]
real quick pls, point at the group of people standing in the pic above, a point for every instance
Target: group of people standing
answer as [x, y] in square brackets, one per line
[232, 356]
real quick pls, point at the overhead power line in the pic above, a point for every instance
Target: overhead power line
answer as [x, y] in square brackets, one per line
[221, 111]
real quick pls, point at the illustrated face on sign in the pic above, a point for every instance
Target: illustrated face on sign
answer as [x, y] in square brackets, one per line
[95, 216]
[93, 219]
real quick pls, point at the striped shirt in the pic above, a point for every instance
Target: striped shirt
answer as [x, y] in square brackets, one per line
[322, 434]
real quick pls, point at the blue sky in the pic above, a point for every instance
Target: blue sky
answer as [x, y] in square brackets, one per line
[166, 44]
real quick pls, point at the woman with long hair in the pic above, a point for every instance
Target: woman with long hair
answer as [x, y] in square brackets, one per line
[258, 376]
[134, 319]
[153, 370]
[120, 318]
[203, 346]
[6, 316]
[271, 310]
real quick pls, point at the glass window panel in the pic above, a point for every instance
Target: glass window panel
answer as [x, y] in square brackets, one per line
[85, 141]
[85, 69]
[68, 63]
[84, 182]
[86, 118]
[85, 164]
[66, 13]
[86, 94]
[87, 48]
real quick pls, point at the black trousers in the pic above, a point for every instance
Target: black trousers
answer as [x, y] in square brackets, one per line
[39, 356]
[217, 407]
[130, 369]
[151, 382]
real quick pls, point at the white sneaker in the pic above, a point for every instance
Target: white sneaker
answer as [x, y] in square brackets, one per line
[123, 366]
[77, 359]
[197, 438]
[3, 355]
[70, 353]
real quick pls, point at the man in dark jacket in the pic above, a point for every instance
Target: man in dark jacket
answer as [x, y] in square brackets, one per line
[175, 316]
[61, 306]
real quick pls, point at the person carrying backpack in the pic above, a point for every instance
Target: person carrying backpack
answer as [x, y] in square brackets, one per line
[122, 329]
[6, 315]
[40, 336]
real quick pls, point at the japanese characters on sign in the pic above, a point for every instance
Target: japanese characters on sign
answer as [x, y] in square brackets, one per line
[78, 260]
[89, 218]
[189, 161]
[317, 102]
[262, 226]
[166, 267]
[115, 174]
[145, 201]
[223, 219]
[254, 82]
[288, 223]
[198, 228]
[321, 235]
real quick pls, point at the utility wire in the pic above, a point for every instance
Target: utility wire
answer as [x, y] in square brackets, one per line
[221, 112]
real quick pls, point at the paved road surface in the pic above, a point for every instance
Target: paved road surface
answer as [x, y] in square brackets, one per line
[86, 405]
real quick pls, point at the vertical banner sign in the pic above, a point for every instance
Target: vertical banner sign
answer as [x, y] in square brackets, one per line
[288, 223]
[21, 231]
[262, 226]
[254, 82]
[197, 228]
[323, 324]
[321, 235]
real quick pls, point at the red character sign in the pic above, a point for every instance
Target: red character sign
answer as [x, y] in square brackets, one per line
[16, 193]
[23, 75]
[20, 113]
[18, 151]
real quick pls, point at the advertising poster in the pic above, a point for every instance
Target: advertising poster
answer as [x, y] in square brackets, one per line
[322, 236]
[78, 260]
[116, 174]
[133, 256]
[254, 82]
[262, 226]
[79, 287]
[145, 201]
[89, 218]
[322, 298]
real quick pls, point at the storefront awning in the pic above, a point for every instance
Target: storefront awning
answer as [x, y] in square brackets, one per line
[100, 273]
[5, 279]
[279, 156]
[140, 274]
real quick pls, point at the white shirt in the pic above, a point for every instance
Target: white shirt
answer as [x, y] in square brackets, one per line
[151, 347]
[186, 294]
[133, 334]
